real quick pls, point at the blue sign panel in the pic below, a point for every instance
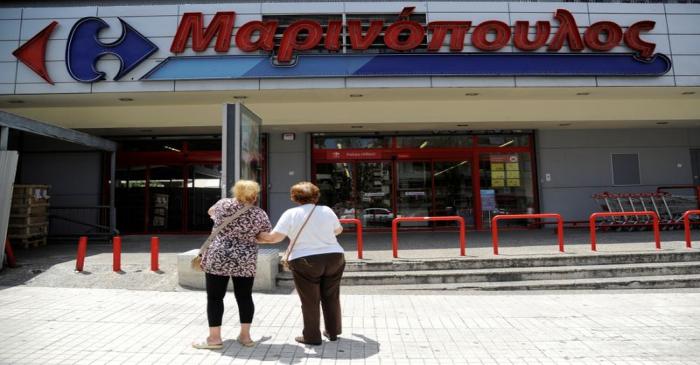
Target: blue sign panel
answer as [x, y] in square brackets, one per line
[425, 64]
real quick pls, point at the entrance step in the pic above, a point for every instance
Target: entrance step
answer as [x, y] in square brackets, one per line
[522, 261]
[626, 270]
[637, 282]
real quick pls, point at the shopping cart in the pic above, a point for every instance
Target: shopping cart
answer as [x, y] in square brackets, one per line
[669, 208]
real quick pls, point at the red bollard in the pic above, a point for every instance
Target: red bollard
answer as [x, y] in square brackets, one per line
[82, 251]
[11, 261]
[360, 243]
[117, 254]
[155, 242]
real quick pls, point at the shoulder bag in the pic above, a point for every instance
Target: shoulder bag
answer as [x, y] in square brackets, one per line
[285, 258]
[197, 260]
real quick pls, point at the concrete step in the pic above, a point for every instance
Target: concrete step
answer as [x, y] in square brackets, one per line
[468, 263]
[634, 282]
[514, 274]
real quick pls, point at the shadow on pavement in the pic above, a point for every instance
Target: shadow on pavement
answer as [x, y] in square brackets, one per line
[352, 347]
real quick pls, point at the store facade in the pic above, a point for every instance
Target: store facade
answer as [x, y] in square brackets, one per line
[391, 108]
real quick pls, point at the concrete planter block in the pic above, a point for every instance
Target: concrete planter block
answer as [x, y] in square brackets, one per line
[266, 272]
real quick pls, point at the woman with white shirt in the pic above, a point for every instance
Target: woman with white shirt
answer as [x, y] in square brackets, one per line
[316, 260]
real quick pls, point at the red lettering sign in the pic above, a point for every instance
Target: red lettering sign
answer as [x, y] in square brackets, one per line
[193, 24]
[406, 35]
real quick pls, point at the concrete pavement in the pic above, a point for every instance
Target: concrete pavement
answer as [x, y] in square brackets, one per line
[42, 325]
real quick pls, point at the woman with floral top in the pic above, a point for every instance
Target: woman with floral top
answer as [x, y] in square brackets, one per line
[233, 253]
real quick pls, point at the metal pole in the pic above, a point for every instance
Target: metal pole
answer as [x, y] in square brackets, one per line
[4, 137]
[112, 184]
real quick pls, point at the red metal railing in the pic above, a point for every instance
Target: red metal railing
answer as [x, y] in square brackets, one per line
[653, 215]
[686, 225]
[358, 227]
[695, 188]
[458, 219]
[494, 226]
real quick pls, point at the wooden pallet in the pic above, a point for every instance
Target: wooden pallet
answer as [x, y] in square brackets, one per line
[30, 194]
[27, 230]
[17, 220]
[36, 210]
[35, 241]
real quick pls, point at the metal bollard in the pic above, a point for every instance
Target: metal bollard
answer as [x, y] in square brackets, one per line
[11, 261]
[117, 254]
[82, 251]
[155, 243]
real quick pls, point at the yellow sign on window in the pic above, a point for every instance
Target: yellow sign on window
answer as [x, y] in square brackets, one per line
[497, 166]
[513, 174]
[498, 174]
[513, 182]
[513, 166]
[497, 183]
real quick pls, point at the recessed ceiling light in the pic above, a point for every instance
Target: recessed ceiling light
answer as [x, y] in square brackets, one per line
[462, 125]
[356, 95]
[471, 94]
[126, 99]
[356, 126]
[564, 124]
[583, 94]
[240, 97]
[15, 101]
[662, 123]
[688, 93]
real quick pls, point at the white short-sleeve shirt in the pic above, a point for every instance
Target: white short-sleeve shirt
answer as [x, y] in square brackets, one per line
[318, 236]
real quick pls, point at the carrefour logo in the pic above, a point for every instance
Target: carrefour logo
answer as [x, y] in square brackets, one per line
[414, 49]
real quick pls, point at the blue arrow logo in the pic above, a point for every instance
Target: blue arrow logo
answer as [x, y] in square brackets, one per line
[84, 49]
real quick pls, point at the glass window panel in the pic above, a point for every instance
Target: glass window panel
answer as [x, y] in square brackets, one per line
[130, 198]
[166, 194]
[506, 186]
[414, 194]
[251, 158]
[204, 190]
[213, 144]
[351, 142]
[625, 167]
[335, 182]
[453, 190]
[434, 141]
[504, 140]
[374, 189]
[151, 145]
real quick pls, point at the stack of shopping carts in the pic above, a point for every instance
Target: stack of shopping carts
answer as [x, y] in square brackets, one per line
[669, 207]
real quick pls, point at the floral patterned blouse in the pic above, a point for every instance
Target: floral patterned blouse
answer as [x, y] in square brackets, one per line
[234, 252]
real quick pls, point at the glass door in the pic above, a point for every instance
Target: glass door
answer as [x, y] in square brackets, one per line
[130, 193]
[335, 180]
[414, 190]
[453, 190]
[202, 192]
[165, 188]
[374, 194]
[506, 186]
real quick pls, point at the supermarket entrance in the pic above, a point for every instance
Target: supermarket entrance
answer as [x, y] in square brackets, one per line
[378, 178]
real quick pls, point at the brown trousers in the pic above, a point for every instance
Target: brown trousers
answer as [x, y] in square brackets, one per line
[317, 280]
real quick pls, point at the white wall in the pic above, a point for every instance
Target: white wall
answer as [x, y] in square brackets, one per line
[677, 34]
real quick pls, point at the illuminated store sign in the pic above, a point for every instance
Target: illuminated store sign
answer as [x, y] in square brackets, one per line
[412, 49]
